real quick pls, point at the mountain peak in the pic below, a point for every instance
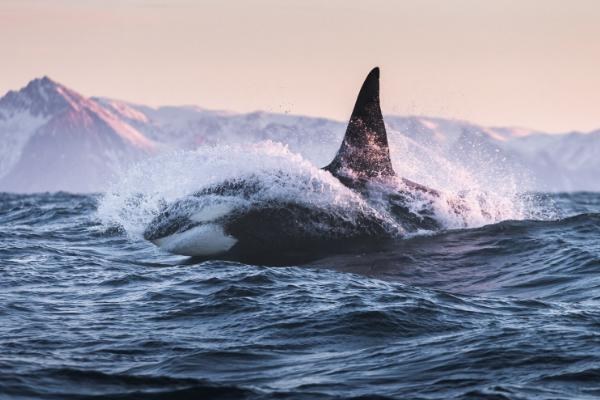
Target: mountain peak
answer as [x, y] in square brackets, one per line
[44, 80]
[41, 97]
[42, 84]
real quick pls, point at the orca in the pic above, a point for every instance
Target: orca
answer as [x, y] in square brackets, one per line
[271, 232]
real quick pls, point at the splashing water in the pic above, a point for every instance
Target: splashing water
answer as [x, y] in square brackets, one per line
[488, 186]
[140, 193]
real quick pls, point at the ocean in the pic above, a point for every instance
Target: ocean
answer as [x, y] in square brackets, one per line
[509, 310]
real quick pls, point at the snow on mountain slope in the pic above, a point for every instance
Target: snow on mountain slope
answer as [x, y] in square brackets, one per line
[56, 139]
[567, 162]
[188, 127]
[15, 130]
[21, 114]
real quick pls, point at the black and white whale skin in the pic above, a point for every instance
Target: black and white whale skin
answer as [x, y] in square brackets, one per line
[230, 221]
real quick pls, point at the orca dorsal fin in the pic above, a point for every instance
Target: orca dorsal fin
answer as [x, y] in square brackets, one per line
[364, 152]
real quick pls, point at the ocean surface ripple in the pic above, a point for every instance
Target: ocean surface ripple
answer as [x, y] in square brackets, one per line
[504, 311]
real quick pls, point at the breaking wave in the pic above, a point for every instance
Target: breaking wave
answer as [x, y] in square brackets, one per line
[142, 191]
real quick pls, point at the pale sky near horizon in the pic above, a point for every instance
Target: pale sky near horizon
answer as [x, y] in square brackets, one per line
[530, 63]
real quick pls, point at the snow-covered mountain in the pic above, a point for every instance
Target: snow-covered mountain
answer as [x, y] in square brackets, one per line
[52, 138]
[567, 162]
[188, 127]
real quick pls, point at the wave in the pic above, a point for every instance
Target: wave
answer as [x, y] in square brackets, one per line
[287, 178]
[505, 310]
[549, 260]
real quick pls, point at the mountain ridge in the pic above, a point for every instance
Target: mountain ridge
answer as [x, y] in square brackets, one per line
[57, 139]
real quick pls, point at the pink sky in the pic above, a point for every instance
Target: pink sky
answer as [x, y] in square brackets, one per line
[502, 62]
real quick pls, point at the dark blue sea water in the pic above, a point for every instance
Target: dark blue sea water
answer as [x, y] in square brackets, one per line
[505, 311]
